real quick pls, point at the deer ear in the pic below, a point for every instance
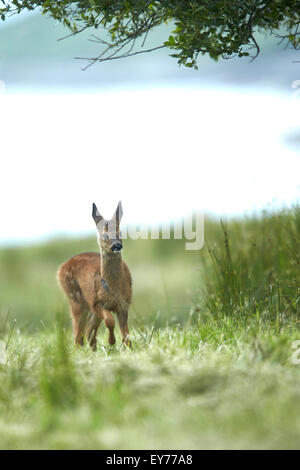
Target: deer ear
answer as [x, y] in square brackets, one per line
[118, 214]
[96, 214]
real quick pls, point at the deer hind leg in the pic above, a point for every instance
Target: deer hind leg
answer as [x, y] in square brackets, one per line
[123, 323]
[91, 329]
[79, 313]
[78, 306]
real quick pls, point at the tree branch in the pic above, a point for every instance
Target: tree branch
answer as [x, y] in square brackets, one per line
[122, 56]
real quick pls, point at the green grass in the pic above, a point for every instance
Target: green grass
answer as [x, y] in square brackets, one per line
[212, 369]
[213, 385]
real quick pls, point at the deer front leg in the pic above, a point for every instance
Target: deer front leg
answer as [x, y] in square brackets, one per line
[110, 324]
[123, 319]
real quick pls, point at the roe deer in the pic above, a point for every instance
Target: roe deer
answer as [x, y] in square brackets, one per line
[97, 284]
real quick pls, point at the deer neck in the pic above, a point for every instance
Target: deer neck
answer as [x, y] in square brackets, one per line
[111, 266]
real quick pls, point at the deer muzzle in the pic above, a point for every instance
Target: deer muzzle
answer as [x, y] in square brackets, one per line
[116, 247]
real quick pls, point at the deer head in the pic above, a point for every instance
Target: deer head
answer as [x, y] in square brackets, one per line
[109, 233]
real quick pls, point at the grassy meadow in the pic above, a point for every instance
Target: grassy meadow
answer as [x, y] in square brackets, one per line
[213, 335]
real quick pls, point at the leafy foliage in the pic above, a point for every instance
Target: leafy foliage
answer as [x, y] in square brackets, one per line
[219, 28]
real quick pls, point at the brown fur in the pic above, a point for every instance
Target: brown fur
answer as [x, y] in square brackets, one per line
[95, 286]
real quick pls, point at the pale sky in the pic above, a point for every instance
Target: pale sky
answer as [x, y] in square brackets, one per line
[164, 152]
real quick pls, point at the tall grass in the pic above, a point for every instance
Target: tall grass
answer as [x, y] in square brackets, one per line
[57, 378]
[254, 267]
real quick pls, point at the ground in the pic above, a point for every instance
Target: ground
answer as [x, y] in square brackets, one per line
[211, 385]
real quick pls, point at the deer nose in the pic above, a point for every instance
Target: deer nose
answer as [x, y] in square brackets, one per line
[117, 247]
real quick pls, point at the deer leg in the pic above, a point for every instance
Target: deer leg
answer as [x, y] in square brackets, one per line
[91, 329]
[79, 317]
[123, 319]
[110, 324]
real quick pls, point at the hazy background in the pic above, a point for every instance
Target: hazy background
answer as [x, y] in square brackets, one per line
[163, 139]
